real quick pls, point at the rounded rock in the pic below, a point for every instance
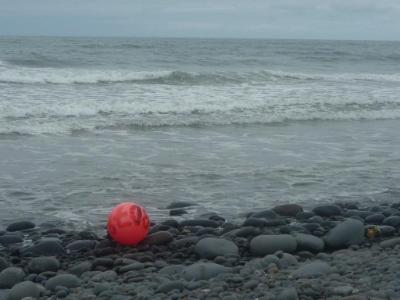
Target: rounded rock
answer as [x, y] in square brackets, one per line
[43, 264]
[309, 242]
[24, 289]
[203, 271]
[327, 210]
[288, 210]
[65, 280]
[159, 238]
[392, 221]
[20, 226]
[10, 239]
[212, 247]
[10, 277]
[375, 219]
[45, 247]
[269, 244]
[312, 269]
[349, 232]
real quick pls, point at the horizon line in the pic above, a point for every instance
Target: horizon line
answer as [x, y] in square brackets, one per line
[194, 37]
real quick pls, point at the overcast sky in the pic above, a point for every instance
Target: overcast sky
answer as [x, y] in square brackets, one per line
[315, 19]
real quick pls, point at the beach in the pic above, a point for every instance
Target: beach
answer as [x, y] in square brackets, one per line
[335, 251]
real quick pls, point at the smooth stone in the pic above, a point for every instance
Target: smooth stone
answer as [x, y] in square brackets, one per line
[159, 238]
[105, 262]
[132, 267]
[43, 264]
[349, 232]
[45, 247]
[105, 276]
[212, 247]
[203, 271]
[375, 219]
[10, 277]
[24, 289]
[199, 222]
[265, 214]
[80, 245]
[288, 294]
[246, 231]
[177, 212]
[66, 280]
[390, 243]
[304, 215]
[170, 286]
[255, 222]
[172, 270]
[180, 204]
[344, 290]
[386, 230]
[185, 242]
[288, 210]
[312, 269]
[327, 210]
[357, 213]
[269, 244]
[20, 226]
[171, 223]
[392, 221]
[79, 268]
[10, 239]
[309, 242]
[3, 263]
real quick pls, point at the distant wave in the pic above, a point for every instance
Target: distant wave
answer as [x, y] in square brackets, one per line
[81, 117]
[88, 76]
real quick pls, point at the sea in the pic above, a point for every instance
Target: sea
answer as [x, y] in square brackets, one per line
[232, 125]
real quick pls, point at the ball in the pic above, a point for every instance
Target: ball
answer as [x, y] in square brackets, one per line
[128, 223]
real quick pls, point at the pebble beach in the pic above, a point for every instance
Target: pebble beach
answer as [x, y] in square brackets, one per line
[333, 251]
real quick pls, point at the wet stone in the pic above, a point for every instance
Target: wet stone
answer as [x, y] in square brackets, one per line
[20, 226]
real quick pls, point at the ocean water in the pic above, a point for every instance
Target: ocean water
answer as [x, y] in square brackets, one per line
[232, 125]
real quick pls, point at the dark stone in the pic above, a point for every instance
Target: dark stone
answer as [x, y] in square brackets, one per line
[288, 210]
[171, 223]
[247, 231]
[105, 251]
[199, 222]
[66, 280]
[81, 245]
[177, 212]
[375, 219]
[392, 221]
[159, 238]
[10, 277]
[304, 215]
[3, 263]
[24, 289]
[87, 235]
[159, 227]
[103, 262]
[10, 239]
[79, 268]
[43, 264]
[180, 204]
[45, 247]
[54, 230]
[19, 226]
[327, 210]
[349, 232]
[386, 230]
[185, 242]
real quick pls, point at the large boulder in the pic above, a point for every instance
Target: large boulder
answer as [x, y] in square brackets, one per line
[212, 247]
[268, 244]
[349, 232]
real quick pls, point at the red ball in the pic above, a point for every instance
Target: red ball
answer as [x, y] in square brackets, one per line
[128, 223]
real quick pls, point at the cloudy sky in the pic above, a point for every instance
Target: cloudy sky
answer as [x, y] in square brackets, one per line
[315, 19]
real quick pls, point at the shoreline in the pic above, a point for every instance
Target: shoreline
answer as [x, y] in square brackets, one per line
[334, 251]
